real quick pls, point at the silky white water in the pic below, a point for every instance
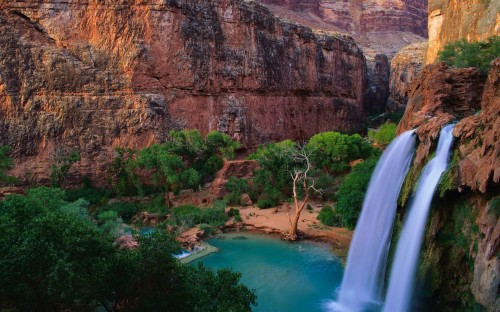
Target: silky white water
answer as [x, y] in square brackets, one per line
[403, 270]
[366, 261]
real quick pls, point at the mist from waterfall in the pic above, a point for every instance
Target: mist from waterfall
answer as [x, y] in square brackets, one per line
[403, 271]
[364, 274]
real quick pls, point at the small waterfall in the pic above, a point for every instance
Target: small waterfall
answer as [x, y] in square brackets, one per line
[366, 261]
[408, 250]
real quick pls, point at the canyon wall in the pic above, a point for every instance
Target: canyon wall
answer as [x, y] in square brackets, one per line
[366, 15]
[405, 67]
[94, 75]
[453, 20]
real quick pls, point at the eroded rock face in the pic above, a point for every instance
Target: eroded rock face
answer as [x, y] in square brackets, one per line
[94, 75]
[366, 15]
[453, 20]
[405, 67]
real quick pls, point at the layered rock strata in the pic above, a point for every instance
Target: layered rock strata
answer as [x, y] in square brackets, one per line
[366, 15]
[94, 75]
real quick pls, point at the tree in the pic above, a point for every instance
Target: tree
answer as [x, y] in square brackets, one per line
[333, 151]
[302, 178]
[122, 174]
[272, 179]
[55, 258]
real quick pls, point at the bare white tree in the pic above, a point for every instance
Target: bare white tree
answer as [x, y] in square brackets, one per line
[301, 177]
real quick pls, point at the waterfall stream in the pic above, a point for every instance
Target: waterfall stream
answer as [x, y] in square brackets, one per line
[408, 250]
[363, 278]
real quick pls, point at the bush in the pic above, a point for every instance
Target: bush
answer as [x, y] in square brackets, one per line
[384, 135]
[462, 54]
[93, 196]
[189, 216]
[327, 216]
[124, 210]
[236, 187]
[233, 212]
[352, 192]
[332, 151]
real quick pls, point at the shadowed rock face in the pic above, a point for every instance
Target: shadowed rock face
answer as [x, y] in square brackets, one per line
[94, 75]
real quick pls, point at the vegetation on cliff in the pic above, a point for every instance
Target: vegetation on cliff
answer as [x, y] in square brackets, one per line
[461, 54]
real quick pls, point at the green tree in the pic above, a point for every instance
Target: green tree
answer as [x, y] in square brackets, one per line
[122, 174]
[385, 134]
[272, 179]
[50, 260]
[54, 258]
[333, 151]
[352, 193]
[167, 167]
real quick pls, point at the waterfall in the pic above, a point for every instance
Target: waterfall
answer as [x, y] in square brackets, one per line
[363, 278]
[407, 253]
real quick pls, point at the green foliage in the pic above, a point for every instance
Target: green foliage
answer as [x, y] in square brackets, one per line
[160, 283]
[234, 212]
[495, 207]
[352, 192]
[63, 258]
[123, 209]
[93, 195]
[272, 179]
[236, 187]
[188, 216]
[327, 216]
[219, 143]
[462, 54]
[54, 261]
[110, 223]
[5, 164]
[384, 135]
[186, 160]
[63, 160]
[333, 150]
[122, 174]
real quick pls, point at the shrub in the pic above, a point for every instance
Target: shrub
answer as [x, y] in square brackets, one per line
[92, 195]
[189, 216]
[495, 207]
[384, 135]
[327, 216]
[124, 210]
[352, 192]
[462, 54]
[236, 187]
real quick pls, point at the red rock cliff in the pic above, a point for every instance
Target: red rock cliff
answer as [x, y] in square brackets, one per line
[94, 75]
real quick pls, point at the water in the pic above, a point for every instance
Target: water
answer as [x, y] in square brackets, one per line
[287, 277]
[403, 271]
[364, 274]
